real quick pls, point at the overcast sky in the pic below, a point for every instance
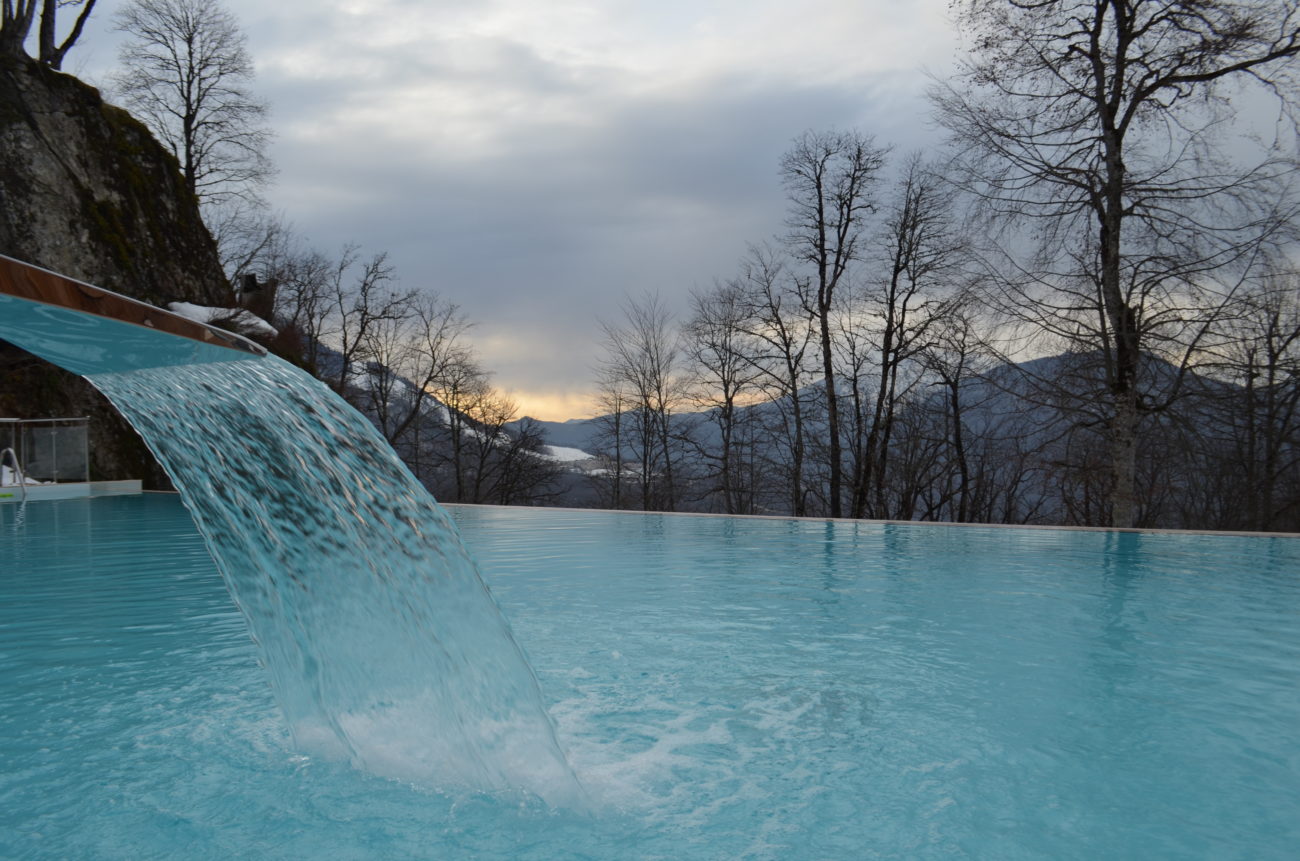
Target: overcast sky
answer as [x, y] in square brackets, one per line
[535, 162]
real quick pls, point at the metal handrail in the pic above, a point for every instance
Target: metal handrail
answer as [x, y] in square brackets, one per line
[17, 468]
[19, 431]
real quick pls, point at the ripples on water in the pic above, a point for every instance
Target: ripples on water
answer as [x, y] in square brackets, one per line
[725, 689]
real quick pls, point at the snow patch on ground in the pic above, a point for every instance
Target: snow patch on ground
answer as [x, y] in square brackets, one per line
[245, 321]
[565, 454]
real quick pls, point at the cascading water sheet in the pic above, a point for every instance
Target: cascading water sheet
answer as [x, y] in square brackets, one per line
[382, 643]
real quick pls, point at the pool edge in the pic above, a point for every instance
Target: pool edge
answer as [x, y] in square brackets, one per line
[1128, 529]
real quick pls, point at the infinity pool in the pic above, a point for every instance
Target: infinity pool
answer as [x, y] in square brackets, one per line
[725, 688]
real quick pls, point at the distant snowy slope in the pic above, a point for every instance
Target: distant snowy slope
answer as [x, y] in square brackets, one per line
[566, 455]
[577, 434]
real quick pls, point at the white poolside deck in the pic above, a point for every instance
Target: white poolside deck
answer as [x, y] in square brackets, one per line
[68, 490]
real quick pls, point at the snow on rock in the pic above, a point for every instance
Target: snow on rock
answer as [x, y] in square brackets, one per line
[245, 322]
[9, 478]
[566, 455]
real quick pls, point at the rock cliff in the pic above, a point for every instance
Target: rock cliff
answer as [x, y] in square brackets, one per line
[86, 191]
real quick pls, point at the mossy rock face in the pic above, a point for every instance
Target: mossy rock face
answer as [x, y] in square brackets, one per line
[87, 192]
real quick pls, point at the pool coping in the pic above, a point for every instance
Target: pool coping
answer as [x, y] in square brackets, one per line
[17, 494]
[1227, 533]
[29, 282]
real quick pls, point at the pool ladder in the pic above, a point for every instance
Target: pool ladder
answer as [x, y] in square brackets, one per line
[8, 456]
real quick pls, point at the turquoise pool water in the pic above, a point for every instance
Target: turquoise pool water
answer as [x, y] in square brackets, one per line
[724, 688]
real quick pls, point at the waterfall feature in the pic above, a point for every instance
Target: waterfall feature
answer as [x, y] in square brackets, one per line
[382, 644]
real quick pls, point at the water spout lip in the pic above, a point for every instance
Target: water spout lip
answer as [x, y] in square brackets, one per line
[35, 284]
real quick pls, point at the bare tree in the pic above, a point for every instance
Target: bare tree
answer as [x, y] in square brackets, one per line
[473, 452]
[724, 380]
[358, 305]
[185, 73]
[408, 356]
[527, 476]
[1258, 416]
[1095, 130]
[17, 17]
[918, 259]
[829, 178]
[340, 310]
[302, 306]
[780, 331]
[612, 401]
[641, 360]
[497, 458]
[460, 390]
[402, 358]
[250, 239]
[955, 359]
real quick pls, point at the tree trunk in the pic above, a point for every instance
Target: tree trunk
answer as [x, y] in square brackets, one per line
[725, 463]
[832, 412]
[959, 451]
[618, 456]
[670, 499]
[16, 25]
[1121, 317]
[797, 505]
[1123, 495]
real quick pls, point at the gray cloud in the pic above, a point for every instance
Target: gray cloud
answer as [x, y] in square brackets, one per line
[537, 174]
